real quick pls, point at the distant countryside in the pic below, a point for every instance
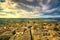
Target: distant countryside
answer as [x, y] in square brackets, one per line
[29, 29]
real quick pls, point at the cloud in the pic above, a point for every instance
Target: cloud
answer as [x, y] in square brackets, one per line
[28, 8]
[30, 0]
[51, 10]
[17, 14]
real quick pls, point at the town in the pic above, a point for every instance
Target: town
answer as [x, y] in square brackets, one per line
[30, 31]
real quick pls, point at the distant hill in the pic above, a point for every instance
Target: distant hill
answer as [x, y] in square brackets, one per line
[8, 20]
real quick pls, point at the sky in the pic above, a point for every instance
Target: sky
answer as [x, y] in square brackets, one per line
[29, 8]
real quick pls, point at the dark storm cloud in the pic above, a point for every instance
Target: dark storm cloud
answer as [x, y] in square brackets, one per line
[34, 3]
[52, 5]
[28, 8]
[25, 7]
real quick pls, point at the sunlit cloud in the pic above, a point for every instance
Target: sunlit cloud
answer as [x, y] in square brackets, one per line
[28, 8]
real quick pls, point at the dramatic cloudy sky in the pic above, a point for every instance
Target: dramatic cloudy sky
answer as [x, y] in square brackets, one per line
[29, 8]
